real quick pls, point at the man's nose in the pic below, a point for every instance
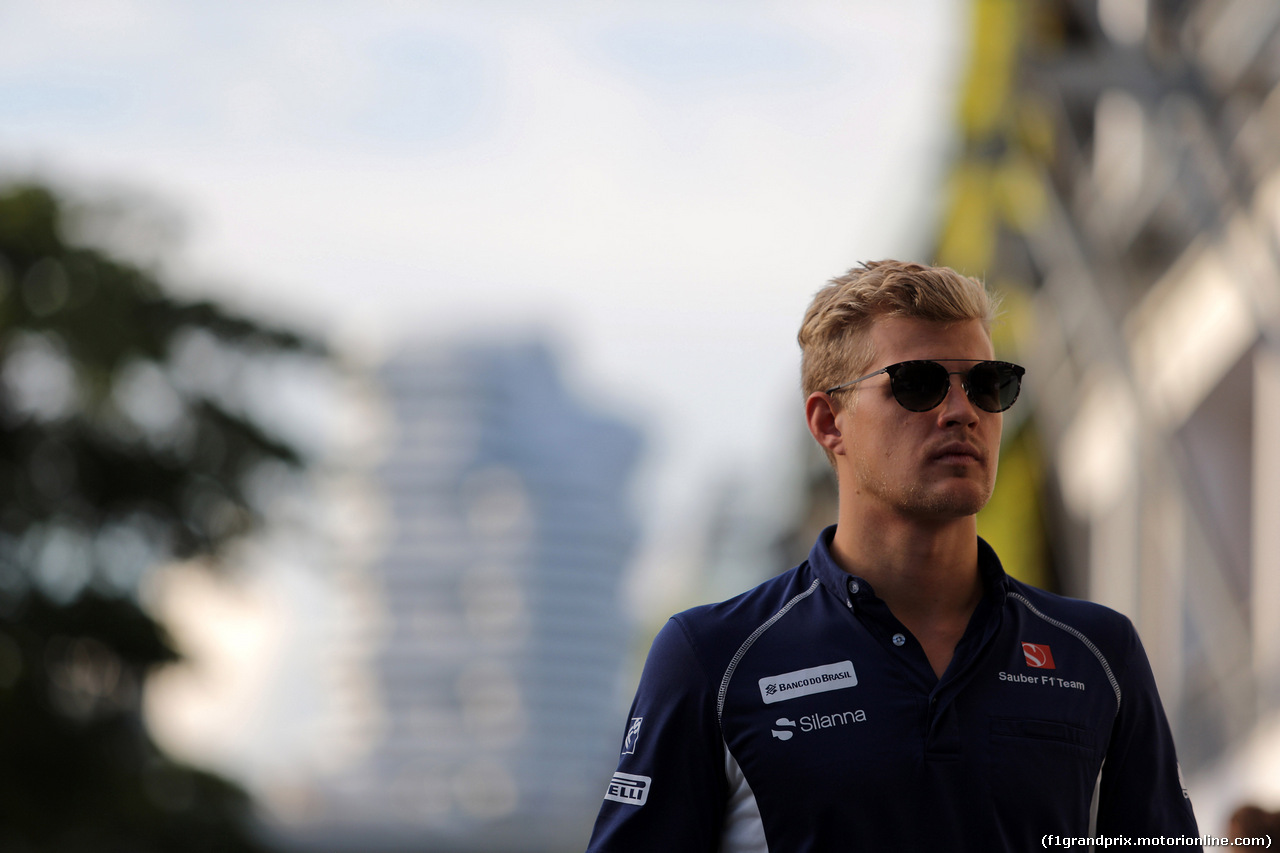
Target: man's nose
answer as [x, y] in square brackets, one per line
[957, 408]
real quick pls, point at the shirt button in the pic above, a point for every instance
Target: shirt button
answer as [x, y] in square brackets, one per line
[853, 587]
[899, 640]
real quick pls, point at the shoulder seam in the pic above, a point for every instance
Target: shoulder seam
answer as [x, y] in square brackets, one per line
[755, 635]
[1115, 685]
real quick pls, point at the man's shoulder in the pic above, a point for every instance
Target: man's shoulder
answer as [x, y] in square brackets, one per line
[1096, 622]
[725, 624]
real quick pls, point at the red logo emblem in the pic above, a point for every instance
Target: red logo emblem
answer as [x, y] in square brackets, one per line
[1038, 657]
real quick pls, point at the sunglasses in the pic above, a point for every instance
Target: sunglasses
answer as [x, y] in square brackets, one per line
[919, 386]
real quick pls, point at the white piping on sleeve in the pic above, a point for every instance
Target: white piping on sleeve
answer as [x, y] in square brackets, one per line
[755, 635]
[743, 827]
[1106, 667]
[1095, 800]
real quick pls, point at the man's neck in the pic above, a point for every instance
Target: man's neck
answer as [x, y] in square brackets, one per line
[926, 571]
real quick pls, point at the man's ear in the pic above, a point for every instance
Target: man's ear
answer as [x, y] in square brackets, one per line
[820, 412]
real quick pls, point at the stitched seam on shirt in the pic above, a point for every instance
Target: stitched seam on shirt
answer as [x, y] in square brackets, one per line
[755, 635]
[1115, 685]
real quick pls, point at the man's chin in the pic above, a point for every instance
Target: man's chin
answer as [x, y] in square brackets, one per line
[956, 500]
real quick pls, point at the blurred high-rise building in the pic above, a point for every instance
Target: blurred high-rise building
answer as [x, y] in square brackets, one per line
[500, 637]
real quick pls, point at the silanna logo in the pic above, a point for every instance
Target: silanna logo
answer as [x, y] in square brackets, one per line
[1038, 656]
[813, 722]
[633, 735]
[802, 682]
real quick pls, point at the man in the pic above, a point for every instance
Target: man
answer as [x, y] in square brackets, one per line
[896, 691]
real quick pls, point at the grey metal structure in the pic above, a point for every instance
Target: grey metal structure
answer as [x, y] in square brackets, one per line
[1152, 267]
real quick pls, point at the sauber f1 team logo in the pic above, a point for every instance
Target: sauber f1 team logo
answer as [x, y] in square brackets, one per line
[1038, 656]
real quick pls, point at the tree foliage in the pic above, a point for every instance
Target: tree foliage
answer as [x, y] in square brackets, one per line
[127, 438]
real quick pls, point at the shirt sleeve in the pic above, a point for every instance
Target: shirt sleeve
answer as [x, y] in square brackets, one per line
[669, 791]
[1142, 792]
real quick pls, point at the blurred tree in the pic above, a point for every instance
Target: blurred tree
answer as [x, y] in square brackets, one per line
[127, 438]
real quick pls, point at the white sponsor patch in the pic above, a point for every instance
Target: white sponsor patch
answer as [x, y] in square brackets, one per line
[625, 788]
[802, 682]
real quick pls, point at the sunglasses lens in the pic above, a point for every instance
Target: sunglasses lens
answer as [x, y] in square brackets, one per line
[918, 386]
[994, 386]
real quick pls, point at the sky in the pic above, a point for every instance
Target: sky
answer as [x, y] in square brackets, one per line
[657, 188]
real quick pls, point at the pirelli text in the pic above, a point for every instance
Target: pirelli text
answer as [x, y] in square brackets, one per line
[1106, 841]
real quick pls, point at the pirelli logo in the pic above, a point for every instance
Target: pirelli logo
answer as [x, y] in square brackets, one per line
[629, 789]
[802, 682]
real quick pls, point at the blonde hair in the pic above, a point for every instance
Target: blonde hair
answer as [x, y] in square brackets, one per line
[834, 343]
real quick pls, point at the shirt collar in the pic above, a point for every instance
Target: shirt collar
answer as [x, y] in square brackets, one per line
[848, 588]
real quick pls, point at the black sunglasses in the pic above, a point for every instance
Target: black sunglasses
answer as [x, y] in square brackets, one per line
[919, 386]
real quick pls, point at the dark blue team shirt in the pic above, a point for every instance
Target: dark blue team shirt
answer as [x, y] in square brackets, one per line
[802, 716]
